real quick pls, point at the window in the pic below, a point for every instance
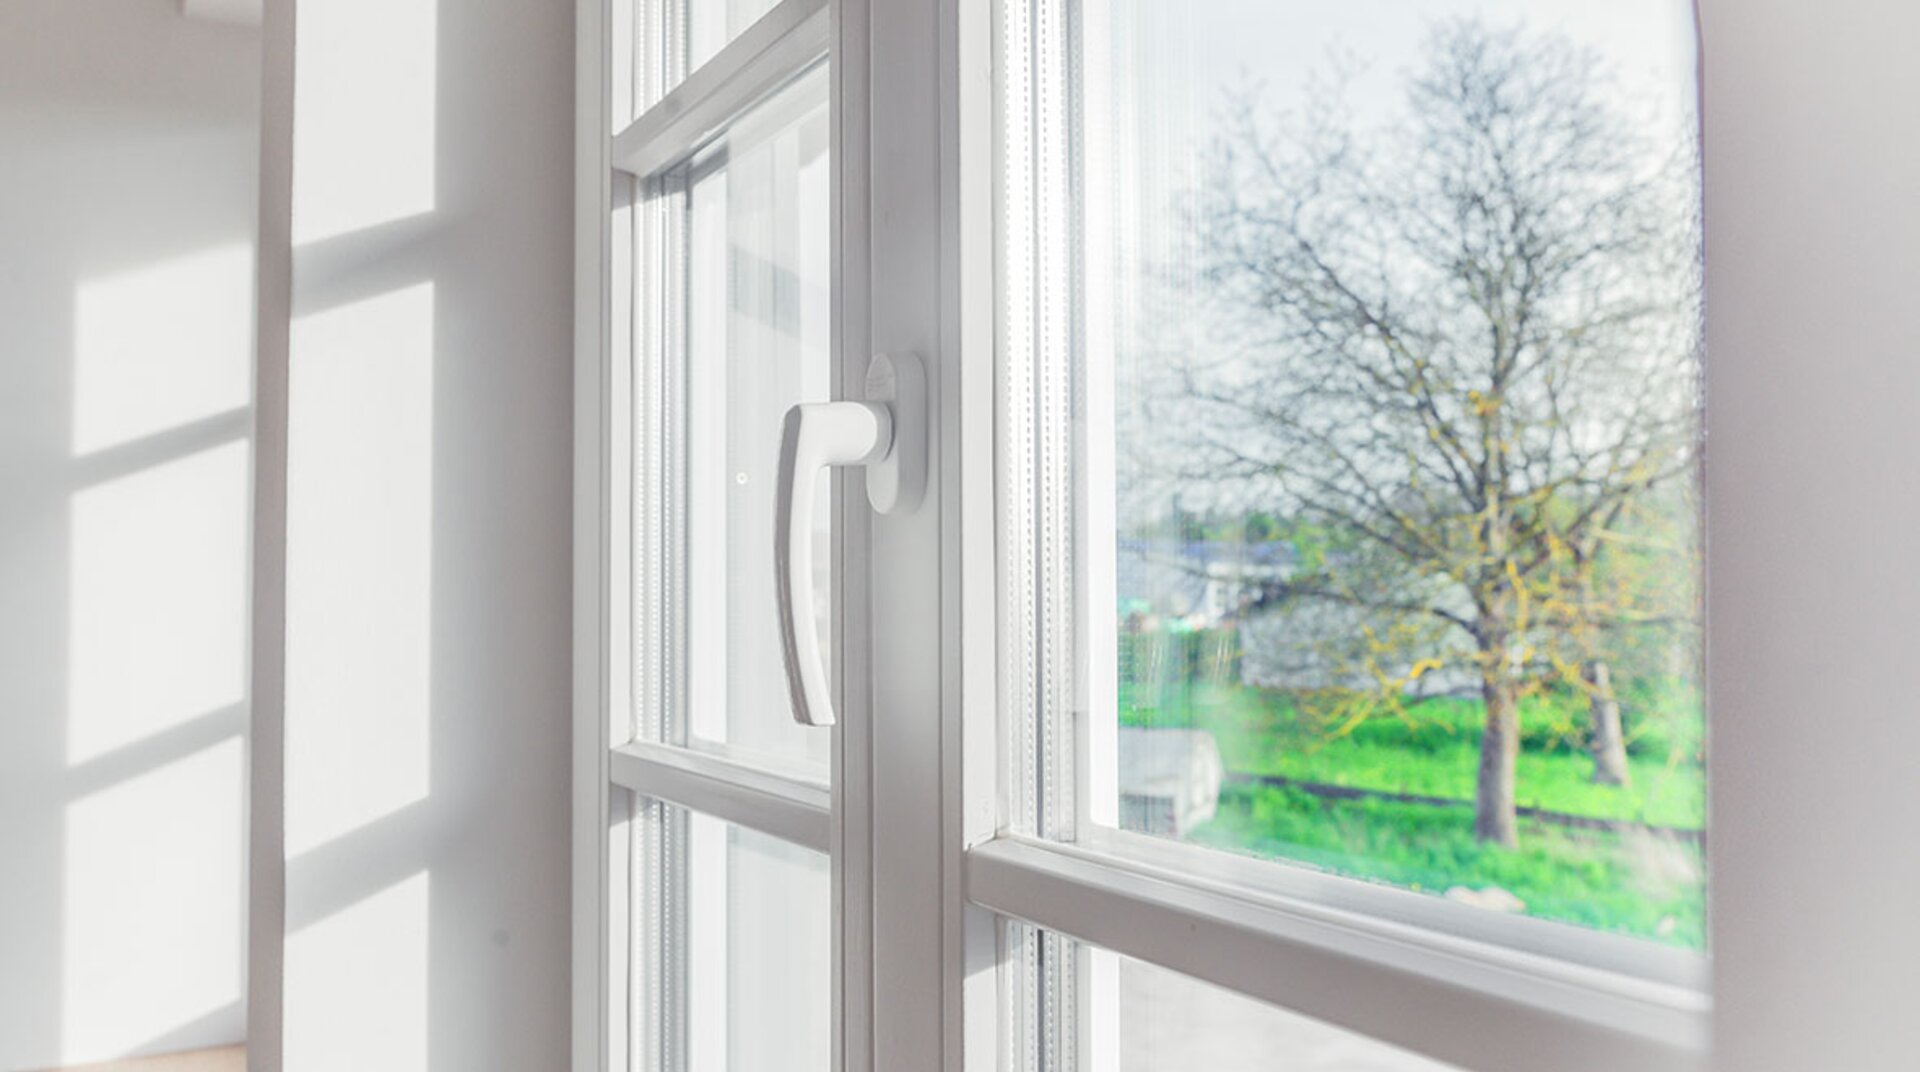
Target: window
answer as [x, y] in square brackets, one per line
[1297, 653]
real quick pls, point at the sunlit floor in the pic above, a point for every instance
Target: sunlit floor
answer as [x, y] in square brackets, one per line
[226, 1059]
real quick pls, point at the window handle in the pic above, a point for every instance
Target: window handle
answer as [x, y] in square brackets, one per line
[887, 435]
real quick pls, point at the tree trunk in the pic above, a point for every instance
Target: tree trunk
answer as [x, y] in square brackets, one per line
[1603, 710]
[1493, 814]
[1609, 747]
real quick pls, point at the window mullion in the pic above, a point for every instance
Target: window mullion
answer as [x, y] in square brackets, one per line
[782, 807]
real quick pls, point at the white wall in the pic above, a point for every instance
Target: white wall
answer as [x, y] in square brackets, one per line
[1813, 252]
[417, 360]
[127, 175]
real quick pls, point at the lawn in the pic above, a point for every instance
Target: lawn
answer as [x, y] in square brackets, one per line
[1435, 753]
[1634, 883]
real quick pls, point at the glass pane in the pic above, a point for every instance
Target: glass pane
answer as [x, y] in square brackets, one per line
[735, 944]
[1167, 1021]
[1354, 368]
[1131, 1016]
[759, 968]
[757, 342]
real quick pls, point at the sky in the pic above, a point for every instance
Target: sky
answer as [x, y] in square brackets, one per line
[1279, 41]
[1206, 51]
[1656, 33]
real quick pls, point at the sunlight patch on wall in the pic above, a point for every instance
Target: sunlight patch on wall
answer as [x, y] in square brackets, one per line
[158, 600]
[152, 911]
[359, 525]
[162, 346]
[364, 122]
[356, 986]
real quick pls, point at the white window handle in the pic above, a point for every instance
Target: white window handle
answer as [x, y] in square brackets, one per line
[888, 435]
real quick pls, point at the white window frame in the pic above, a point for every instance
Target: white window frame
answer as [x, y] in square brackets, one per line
[917, 916]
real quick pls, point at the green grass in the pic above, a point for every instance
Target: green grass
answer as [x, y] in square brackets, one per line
[1435, 752]
[1633, 883]
[1646, 887]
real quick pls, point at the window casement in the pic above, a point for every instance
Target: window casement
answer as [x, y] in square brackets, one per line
[1177, 277]
[704, 910]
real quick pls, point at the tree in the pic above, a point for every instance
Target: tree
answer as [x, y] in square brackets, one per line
[1465, 339]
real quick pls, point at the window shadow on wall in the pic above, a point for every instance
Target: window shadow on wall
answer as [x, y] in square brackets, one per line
[126, 274]
[428, 484]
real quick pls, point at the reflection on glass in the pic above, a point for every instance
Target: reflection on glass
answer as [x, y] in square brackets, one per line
[759, 967]
[713, 23]
[1401, 318]
[1072, 1005]
[1167, 1022]
[757, 336]
[658, 44]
